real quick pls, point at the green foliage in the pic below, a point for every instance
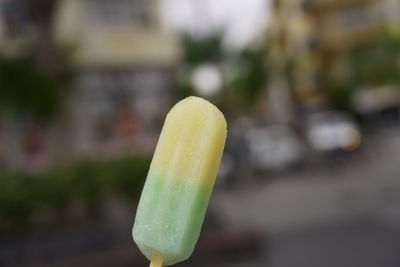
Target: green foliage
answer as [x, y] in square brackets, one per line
[197, 51]
[16, 201]
[251, 75]
[124, 169]
[244, 72]
[376, 64]
[26, 89]
[369, 65]
[21, 196]
[200, 50]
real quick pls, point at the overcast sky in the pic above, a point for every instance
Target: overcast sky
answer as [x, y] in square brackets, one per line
[243, 20]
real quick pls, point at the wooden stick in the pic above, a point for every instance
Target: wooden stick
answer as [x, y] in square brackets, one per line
[156, 263]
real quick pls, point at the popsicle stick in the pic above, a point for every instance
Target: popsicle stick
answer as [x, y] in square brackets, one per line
[156, 263]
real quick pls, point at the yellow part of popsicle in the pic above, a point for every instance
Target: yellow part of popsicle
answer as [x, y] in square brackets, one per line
[156, 263]
[186, 130]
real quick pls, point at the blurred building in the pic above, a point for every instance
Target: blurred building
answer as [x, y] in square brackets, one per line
[311, 38]
[17, 34]
[123, 64]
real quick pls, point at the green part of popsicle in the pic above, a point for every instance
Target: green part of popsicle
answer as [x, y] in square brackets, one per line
[174, 224]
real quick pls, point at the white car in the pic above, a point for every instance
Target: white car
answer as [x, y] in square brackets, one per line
[273, 148]
[332, 131]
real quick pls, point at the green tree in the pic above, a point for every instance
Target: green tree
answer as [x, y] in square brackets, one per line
[25, 88]
[251, 75]
[244, 72]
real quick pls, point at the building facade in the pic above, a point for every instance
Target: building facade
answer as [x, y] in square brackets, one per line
[123, 62]
[312, 38]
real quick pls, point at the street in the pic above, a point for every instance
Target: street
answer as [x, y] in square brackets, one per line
[347, 216]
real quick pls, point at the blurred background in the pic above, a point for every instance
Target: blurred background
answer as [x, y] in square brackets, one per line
[311, 90]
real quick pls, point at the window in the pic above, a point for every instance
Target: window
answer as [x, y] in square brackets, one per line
[15, 17]
[353, 17]
[119, 11]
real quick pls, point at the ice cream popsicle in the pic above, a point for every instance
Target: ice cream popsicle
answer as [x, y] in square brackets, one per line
[179, 183]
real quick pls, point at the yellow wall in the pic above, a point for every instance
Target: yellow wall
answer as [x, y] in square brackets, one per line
[112, 44]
